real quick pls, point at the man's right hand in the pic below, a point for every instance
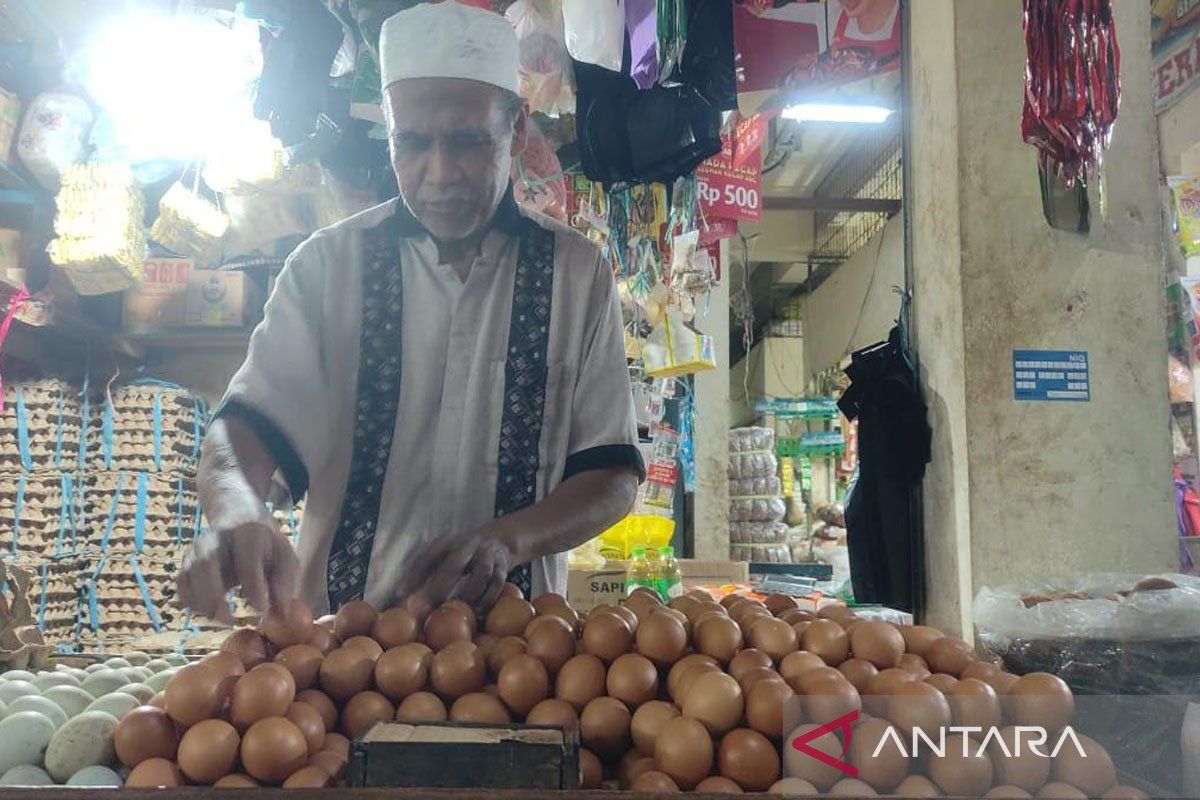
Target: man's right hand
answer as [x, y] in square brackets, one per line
[256, 556]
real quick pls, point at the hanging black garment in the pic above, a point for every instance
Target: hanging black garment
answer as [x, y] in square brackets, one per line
[883, 525]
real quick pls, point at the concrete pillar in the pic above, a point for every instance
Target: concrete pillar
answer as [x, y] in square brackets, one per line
[711, 520]
[1022, 490]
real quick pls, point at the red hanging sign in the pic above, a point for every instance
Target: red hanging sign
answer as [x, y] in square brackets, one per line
[731, 191]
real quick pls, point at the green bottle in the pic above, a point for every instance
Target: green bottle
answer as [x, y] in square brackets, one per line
[669, 579]
[638, 573]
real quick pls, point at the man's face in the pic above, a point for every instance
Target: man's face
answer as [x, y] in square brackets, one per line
[452, 144]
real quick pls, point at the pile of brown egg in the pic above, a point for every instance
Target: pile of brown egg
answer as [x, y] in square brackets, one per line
[695, 694]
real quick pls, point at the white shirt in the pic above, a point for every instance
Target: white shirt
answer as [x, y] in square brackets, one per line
[299, 383]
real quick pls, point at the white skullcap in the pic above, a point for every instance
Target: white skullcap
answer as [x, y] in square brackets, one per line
[448, 40]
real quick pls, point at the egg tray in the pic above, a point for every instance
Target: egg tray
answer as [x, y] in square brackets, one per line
[43, 457]
[143, 459]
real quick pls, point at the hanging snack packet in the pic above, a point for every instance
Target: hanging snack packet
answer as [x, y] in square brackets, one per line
[189, 225]
[1186, 190]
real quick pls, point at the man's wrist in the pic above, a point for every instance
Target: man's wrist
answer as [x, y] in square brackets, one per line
[512, 540]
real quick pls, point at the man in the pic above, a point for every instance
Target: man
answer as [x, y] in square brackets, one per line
[444, 374]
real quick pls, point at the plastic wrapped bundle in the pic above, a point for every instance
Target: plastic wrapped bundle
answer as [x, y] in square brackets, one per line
[758, 533]
[545, 65]
[750, 440]
[769, 486]
[101, 243]
[189, 225]
[756, 509]
[752, 465]
[761, 553]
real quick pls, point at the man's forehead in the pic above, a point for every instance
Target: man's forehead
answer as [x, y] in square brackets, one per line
[442, 92]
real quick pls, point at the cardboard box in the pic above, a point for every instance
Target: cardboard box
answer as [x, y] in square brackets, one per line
[218, 299]
[158, 302]
[588, 588]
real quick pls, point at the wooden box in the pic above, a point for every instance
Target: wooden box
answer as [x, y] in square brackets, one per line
[465, 755]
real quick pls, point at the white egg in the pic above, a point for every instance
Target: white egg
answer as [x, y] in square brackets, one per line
[140, 691]
[137, 658]
[40, 704]
[117, 663]
[90, 668]
[176, 659]
[71, 699]
[26, 775]
[24, 737]
[3, 709]
[11, 690]
[85, 741]
[158, 681]
[96, 776]
[101, 683]
[117, 704]
[18, 675]
[48, 680]
[158, 665]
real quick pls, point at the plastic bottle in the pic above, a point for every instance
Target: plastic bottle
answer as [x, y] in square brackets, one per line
[670, 576]
[639, 572]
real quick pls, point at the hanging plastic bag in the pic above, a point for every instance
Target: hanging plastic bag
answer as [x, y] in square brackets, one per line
[675, 349]
[641, 20]
[53, 135]
[538, 180]
[595, 31]
[1187, 210]
[189, 225]
[546, 80]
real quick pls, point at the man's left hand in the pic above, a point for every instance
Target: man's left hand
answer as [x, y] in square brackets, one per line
[471, 567]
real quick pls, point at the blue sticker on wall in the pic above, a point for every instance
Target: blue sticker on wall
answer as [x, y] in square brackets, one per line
[1061, 376]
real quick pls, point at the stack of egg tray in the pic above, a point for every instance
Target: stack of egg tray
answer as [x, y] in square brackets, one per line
[126, 597]
[41, 515]
[54, 595]
[147, 426]
[40, 427]
[152, 515]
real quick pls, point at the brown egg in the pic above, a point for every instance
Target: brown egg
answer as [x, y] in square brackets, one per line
[332, 763]
[607, 637]
[541, 621]
[793, 615]
[145, 732]
[974, 704]
[509, 616]
[680, 616]
[1042, 700]
[942, 682]
[467, 612]
[766, 703]
[829, 699]
[917, 638]
[850, 787]
[447, 624]
[714, 699]
[248, 645]
[580, 680]
[632, 679]
[715, 784]
[684, 751]
[1120, 792]
[591, 771]
[779, 603]
[395, 627]
[747, 660]
[683, 665]
[916, 704]
[553, 645]
[362, 712]
[1003, 683]
[877, 642]
[323, 705]
[812, 677]
[745, 607]
[687, 676]
[1059, 791]
[1015, 763]
[792, 787]
[310, 777]
[685, 603]
[631, 619]
[159, 700]
[641, 601]
[565, 613]
[261, 692]
[421, 707]
[860, 673]
[292, 624]
[323, 640]
[511, 590]
[775, 638]
[543, 603]
[457, 669]
[553, 712]
[155, 773]
[653, 782]
[485, 642]
[366, 644]
[749, 759]
[345, 672]
[826, 639]
[403, 670]
[964, 770]
[273, 749]
[304, 662]
[950, 655]
[647, 723]
[883, 772]
[310, 722]
[236, 781]
[502, 651]
[208, 750]
[479, 707]
[758, 674]
[980, 670]
[1004, 792]
[882, 687]
[917, 786]
[751, 619]
[799, 764]
[718, 637]
[355, 618]
[796, 664]
[1092, 773]
[604, 727]
[662, 638]
[910, 662]
[523, 683]
[196, 692]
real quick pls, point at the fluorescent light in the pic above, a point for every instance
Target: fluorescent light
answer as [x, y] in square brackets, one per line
[837, 112]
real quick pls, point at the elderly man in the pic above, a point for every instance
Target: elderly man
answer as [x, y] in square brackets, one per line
[443, 374]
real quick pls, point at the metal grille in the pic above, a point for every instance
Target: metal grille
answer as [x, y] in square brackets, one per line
[871, 169]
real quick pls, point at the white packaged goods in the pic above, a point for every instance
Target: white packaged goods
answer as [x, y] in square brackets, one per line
[756, 509]
[748, 440]
[760, 553]
[769, 486]
[752, 465]
[756, 504]
[758, 533]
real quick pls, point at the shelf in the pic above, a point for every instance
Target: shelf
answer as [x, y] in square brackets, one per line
[189, 339]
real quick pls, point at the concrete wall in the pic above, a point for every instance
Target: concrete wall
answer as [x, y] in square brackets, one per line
[1021, 490]
[711, 435]
[856, 306]
[773, 368]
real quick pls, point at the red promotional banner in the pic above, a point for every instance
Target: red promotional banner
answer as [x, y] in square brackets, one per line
[728, 191]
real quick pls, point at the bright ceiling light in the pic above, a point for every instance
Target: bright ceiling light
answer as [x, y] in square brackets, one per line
[838, 112]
